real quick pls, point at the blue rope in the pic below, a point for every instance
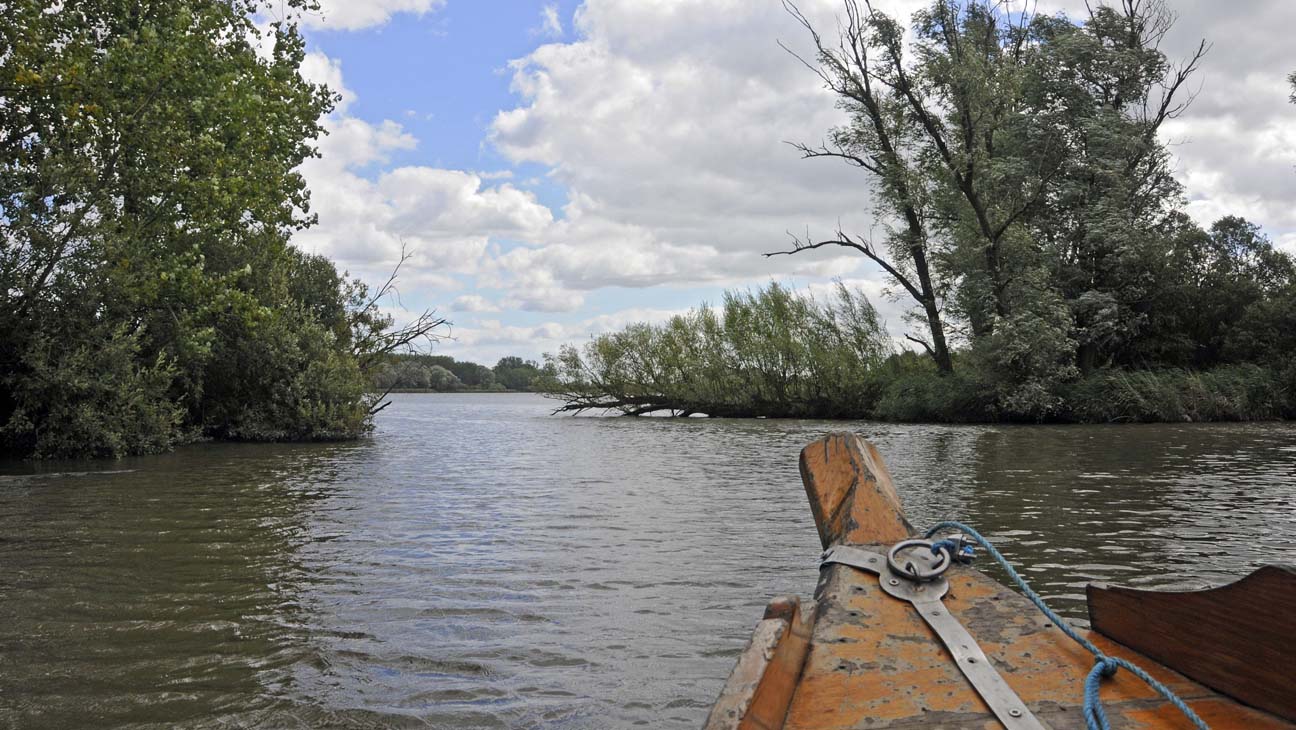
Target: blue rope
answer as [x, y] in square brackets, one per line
[1104, 665]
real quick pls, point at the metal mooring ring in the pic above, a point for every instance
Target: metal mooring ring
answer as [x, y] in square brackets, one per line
[919, 571]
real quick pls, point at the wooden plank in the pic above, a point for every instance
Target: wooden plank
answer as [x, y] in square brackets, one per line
[758, 691]
[1239, 638]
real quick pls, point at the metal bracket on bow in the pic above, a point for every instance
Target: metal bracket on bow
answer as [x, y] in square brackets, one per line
[913, 571]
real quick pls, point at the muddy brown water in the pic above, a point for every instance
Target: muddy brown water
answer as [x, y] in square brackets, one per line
[481, 564]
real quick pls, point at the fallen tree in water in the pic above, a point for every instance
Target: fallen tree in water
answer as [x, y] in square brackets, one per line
[772, 353]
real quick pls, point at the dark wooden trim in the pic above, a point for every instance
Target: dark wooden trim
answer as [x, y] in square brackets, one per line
[1239, 639]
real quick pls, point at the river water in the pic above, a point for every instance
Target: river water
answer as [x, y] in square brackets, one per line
[481, 564]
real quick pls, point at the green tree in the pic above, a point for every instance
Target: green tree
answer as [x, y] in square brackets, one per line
[148, 188]
[472, 374]
[403, 374]
[514, 373]
[1016, 157]
[880, 139]
[441, 379]
[1108, 89]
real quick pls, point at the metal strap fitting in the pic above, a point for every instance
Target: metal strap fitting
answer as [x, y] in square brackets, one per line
[915, 573]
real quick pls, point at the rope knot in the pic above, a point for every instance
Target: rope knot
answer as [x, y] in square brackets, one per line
[1107, 666]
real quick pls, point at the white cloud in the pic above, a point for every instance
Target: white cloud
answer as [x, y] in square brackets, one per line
[444, 219]
[474, 303]
[550, 24]
[359, 14]
[665, 122]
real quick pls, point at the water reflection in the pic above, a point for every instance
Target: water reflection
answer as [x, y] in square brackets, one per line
[479, 564]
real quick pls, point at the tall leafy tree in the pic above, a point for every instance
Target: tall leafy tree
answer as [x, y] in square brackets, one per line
[1108, 88]
[881, 140]
[148, 190]
[1018, 156]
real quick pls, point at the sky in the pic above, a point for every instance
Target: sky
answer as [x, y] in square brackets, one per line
[560, 169]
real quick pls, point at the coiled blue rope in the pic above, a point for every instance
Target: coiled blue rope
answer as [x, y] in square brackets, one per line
[1104, 665]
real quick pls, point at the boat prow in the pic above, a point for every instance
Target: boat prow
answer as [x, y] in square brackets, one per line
[859, 658]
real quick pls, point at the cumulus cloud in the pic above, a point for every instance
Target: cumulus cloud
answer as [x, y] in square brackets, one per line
[665, 122]
[474, 303]
[443, 218]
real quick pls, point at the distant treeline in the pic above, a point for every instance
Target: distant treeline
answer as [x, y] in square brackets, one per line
[445, 374]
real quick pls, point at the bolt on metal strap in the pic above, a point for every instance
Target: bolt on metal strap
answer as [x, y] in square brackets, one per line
[919, 579]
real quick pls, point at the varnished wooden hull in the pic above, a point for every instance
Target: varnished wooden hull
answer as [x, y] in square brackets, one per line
[857, 658]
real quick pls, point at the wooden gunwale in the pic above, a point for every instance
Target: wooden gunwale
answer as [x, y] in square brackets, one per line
[871, 662]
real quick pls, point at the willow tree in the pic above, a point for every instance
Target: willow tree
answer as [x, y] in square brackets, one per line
[881, 140]
[1107, 226]
[772, 353]
[1017, 158]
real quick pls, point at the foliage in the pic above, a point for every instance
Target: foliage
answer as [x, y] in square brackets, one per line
[1230, 393]
[98, 400]
[514, 373]
[913, 390]
[771, 352]
[148, 190]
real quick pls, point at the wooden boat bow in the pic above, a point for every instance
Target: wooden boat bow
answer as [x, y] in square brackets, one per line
[857, 658]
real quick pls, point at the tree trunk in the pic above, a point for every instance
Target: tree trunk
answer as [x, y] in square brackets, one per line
[939, 349]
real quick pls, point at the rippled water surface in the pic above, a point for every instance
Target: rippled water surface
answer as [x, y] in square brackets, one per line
[480, 564]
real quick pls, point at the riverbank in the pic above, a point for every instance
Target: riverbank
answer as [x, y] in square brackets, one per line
[903, 391]
[775, 353]
[1233, 393]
